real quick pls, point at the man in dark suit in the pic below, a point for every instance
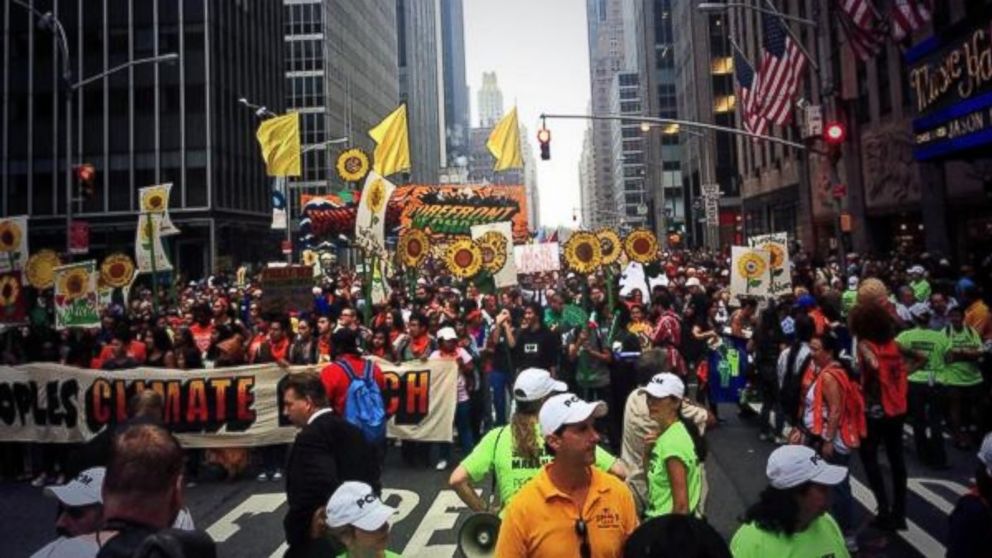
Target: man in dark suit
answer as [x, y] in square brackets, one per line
[327, 451]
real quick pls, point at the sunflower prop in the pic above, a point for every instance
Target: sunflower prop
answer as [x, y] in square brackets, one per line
[463, 258]
[10, 289]
[74, 284]
[492, 245]
[751, 266]
[352, 165]
[374, 197]
[641, 246]
[610, 245]
[153, 200]
[117, 270]
[40, 269]
[10, 236]
[583, 253]
[413, 248]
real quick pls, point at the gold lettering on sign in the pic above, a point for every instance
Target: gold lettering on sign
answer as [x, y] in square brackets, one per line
[968, 68]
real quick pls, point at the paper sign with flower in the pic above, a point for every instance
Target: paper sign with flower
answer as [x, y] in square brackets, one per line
[370, 223]
[148, 245]
[40, 271]
[495, 242]
[749, 272]
[76, 301]
[155, 199]
[779, 268]
[13, 307]
[13, 243]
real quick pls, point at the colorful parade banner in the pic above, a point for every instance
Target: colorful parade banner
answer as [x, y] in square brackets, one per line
[287, 288]
[536, 258]
[225, 407]
[779, 268]
[148, 245]
[370, 223]
[496, 243]
[13, 243]
[155, 199]
[749, 272]
[13, 304]
[76, 300]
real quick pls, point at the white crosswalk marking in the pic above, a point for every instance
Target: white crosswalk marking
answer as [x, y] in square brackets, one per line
[918, 486]
[914, 535]
[225, 527]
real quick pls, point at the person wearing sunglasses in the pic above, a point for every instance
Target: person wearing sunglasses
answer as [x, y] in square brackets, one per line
[570, 508]
[80, 513]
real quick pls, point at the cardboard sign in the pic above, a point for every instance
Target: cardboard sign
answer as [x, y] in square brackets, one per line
[537, 258]
[287, 288]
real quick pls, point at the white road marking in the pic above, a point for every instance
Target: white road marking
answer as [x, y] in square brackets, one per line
[918, 486]
[439, 517]
[223, 528]
[914, 535]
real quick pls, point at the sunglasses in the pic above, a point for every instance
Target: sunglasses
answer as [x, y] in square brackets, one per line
[585, 551]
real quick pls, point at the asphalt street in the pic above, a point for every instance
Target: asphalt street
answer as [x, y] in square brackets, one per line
[245, 517]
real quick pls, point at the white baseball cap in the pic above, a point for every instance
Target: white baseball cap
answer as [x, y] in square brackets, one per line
[664, 385]
[693, 282]
[446, 334]
[355, 503]
[916, 269]
[534, 384]
[792, 465]
[985, 453]
[84, 490]
[567, 408]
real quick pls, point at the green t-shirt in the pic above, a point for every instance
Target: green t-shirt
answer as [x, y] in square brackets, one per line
[821, 538]
[674, 442]
[848, 300]
[512, 472]
[389, 554]
[962, 373]
[921, 290]
[932, 343]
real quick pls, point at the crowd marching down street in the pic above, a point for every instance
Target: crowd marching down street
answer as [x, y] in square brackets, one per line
[586, 397]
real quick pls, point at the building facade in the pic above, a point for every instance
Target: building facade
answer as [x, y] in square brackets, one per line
[490, 100]
[456, 99]
[629, 197]
[149, 124]
[587, 180]
[421, 73]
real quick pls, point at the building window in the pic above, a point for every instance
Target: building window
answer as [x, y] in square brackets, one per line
[723, 104]
[723, 65]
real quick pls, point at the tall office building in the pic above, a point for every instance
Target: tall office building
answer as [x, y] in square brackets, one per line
[456, 107]
[530, 179]
[606, 59]
[149, 124]
[490, 101]
[481, 161]
[587, 180]
[629, 207]
[421, 71]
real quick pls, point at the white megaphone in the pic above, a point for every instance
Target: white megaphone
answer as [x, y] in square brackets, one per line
[477, 537]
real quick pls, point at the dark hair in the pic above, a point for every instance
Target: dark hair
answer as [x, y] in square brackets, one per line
[308, 386]
[871, 321]
[161, 339]
[145, 460]
[345, 341]
[698, 440]
[804, 328]
[663, 298]
[537, 309]
[418, 317]
[777, 510]
[675, 535]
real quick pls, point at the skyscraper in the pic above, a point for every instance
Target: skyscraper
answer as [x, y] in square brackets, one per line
[456, 109]
[629, 201]
[421, 71]
[490, 101]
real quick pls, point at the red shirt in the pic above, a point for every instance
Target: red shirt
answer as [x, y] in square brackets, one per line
[336, 380]
[135, 349]
[201, 336]
[889, 382]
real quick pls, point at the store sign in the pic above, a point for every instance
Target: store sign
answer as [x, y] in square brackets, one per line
[950, 78]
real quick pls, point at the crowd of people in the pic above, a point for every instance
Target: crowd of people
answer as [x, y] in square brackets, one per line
[593, 429]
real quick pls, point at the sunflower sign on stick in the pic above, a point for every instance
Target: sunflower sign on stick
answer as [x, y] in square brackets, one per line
[641, 246]
[463, 258]
[148, 250]
[40, 271]
[495, 242]
[749, 272]
[370, 224]
[779, 270]
[583, 252]
[117, 270]
[75, 296]
[155, 199]
[13, 243]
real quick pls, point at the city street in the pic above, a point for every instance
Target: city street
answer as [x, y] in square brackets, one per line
[245, 518]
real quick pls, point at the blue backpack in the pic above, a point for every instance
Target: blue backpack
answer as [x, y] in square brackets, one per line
[363, 405]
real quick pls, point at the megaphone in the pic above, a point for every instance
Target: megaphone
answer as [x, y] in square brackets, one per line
[477, 537]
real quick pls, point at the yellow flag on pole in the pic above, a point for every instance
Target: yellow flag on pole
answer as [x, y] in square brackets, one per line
[504, 143]
[279, 138]
[392, 150]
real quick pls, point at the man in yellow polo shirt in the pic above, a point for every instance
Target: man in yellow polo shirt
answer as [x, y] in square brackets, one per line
[570, 508]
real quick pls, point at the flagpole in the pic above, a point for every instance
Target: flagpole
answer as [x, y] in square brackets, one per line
[799, 44]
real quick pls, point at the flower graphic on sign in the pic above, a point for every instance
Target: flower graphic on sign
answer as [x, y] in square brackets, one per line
[10, 290]
[492, 245]
[117, 270]
[352, 165]
[74, 284]
[413, 248]
[610, 245]
[375, 198]
[153, 201]
[10, 236]
[751, 266]
[776, 256]
[641, 246]
[463, 258]
[583, 253]
[40, 269]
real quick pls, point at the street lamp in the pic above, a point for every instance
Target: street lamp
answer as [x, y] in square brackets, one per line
[719, 7]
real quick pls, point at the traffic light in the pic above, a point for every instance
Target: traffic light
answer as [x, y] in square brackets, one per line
[544, 138]
[86, 175]
[834, 134]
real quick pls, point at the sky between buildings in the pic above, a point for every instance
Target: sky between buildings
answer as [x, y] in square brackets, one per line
[539, 51]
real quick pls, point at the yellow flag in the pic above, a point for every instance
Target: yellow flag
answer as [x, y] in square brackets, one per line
[504, 143]
[392, 150]
[279, 138]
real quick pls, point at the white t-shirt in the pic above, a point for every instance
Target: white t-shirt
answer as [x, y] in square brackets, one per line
[83, 546]
[464, 357]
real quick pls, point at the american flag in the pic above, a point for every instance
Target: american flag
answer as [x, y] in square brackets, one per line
[782, 64]
[907, 16]
[752, 120]
[864, 29]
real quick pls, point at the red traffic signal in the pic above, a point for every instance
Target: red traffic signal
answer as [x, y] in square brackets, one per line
[544, 138]
[834, 133]
[86, 174]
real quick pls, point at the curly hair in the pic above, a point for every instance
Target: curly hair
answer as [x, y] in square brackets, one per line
[525, 442]
[871, 321]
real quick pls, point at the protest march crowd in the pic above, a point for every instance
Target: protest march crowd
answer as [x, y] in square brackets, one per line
[586, 396]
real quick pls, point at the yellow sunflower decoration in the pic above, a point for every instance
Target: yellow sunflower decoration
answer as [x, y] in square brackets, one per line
[310, 257]
[375, 196]
[153, 200]
[117, 270]
[776, 257]
[352, 165]
[751, 266]
[10, 236]
[40, 269]
[641, 246]
[493, 248]
[463, 258]
[10, 289]
[583, 253]
[74, 284]
[414, 247]
[610, 245]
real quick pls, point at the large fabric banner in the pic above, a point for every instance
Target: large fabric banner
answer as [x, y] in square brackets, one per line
[779, 268]
[495, 240]
[227, 407]
[370, 224]
[148, 244]
[13, 243]
[76, 301]
[155, 199]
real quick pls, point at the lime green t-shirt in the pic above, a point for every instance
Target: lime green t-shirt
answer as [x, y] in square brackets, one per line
[848, 300]
[821, 538]
[962, 373]
[388, 554]
[921, 290]
[512, 472]
[673, 442]
[932, 343]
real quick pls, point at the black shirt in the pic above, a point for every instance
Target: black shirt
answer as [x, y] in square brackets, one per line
[536, 349]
